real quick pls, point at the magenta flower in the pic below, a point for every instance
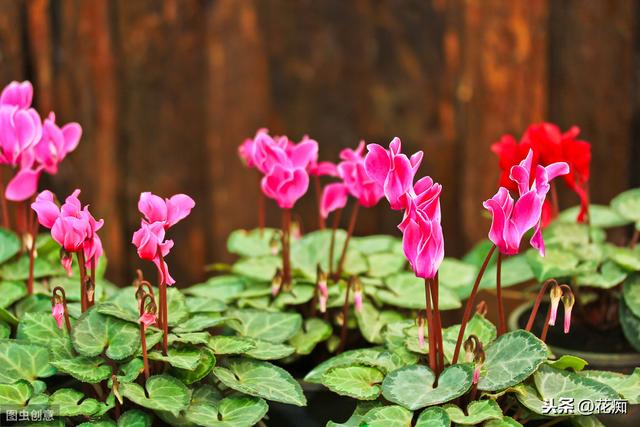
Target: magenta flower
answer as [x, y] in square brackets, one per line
[245, 151]
[334, 196]
[167, 211]
[147, 319]
[352, 170]
[476, 373]
[17, 94]
[72, 226]
[323, 295]
[149, 240]
[423, 243]
[57, 311]
[56, 143]
[393, 170]
[285, 185]
[512, 219]
[20, 130]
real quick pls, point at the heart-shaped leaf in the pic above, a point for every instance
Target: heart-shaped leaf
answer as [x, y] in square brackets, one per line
[164, 393]
[205, 364]
[458, 275]
[15, 395]
[407, 291]
[601, 216]
[478, 411]
[515, 270]
[259, 268]
[225, 288]
[388, 416]
[22, 361]
[264, 350]
[630, 324]
[433, 417]
[254, 243]
[71, 403]
[205, 305]
[135, 418]
[627, 386]
[274, 327]
[557, 262]
[385, 264]
[631, 293]
[359, 382]
[299, 294]
[11, 292]
[130, 371]
[484, 330]
[371, 322]
[374, 244]
[627, 258]
[241, 411]
[347, 358]
[189, 338]
[94, 333]
[222, 344]
[86, 369]
[41, 328]
[627, 205]
[260, 379]
[184, 358]
[511, 359]
[610, 275]
[19, 269]
[412, 386]
[314, 331]
[9, 244]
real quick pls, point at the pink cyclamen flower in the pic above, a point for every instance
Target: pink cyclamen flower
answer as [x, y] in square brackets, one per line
[56, 143]
[568, 300]
[357, 299]
[423, 243]
[393, 170]
[147, 319]
[20, 130]
[166, 211]
[334, 196]
[285, 185]
[19, 94]
[360, 185]
[512, 219]
[57, 311]
[245, 151]
[149, 240]
[72, 226]
[476, 373]
[323, 295]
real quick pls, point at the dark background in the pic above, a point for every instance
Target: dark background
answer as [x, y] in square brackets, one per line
[166, 90]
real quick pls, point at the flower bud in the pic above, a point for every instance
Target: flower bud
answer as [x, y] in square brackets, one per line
[115, 388]
[556, 294]
[357, 294]
[90, 289]
[420, 323]
[276, 283]
[568, 300]
[57, 311]
[66, 258]
[323, 290]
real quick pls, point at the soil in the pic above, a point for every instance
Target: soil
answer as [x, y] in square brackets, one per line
[582, 337]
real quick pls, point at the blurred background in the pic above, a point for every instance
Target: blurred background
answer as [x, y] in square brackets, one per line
[166, 90]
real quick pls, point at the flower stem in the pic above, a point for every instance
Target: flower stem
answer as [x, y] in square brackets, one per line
[545, 328]
[83, 275]
[430, 328]
[536, 305]
[143, 337]
[33, 230]
[5, 207]
[469, 305]
[555, 206]
[502, 328]
[336, 221]
[60, 290]
[286, 240]
[261, 209]
[163, 305]
[352, 224]
[438, 322]
[318, 191]
[345, 313]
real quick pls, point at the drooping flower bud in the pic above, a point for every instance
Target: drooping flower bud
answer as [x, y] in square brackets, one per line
[149, 318]
[57, 311]
[420, 324]
[357, 294]
[295, 230]
[323, 290]
[276, 283]
[115, 388]
[478, 359]
[568, 300]
[140, 295]
[556, 295]
[90, 289]
[469, 346]
[66, 258]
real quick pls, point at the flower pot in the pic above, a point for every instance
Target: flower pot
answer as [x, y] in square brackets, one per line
[580, 342]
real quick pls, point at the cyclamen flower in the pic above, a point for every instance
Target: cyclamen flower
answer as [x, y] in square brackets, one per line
[357, 181]
[147, 319]
[166, 211]
[20, 130]
[57, 311]
[334, 196]
[18, 94]
[423, 244]
[72, 226]
[568, 301]
[556, 295]
[512, 219]
[393, 170]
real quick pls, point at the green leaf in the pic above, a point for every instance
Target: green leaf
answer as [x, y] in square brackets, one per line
[11, 291]
[15, 395]
[7, 317]
[94, 333]
[200, 322]
[477, 325]
[124, 305]
[556, 263]
[225, 288]
[515, 270]
[407, 291]
[347, 358]
[627, 386]
[601, 216]
[477, 412]
[572, 234]
[388, 416]
[205, 305]
[478, 253]
[373, 244]
[267, 326]
[184, 358]
[627, 258]
[630, 324]
[609, 276]
[21, 361]
[135, 418]
[511, 359]
[68, 402]
[5, 330]
[314, 331]
[130, 371]
[412, 386]
[371, 322]
[260, 379]
[34, 304]
[358, 414]
[260, 268]
[9, 244]
[456, 274]
[19, 269]
[254, 243]
[359, 382]
[164, 393]
[205, 364]
[189, 338]
[433, 417]
[553, 384]
[505, 421]
[385, 264]
[631, 293]
[299, 294]
[40, 328]
[86, 369]
[627, 204]
[222, 344]
[567, 361]
[265, 350]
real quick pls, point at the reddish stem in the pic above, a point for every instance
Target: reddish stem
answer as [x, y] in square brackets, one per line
[352, 225]
[143, 338]
[438, 322]
[430, 328]
[163, 305]
[60, 290]
[261, 208]
[555, 206]
[5, 207]
[545, 328]
[469, 305]
[336, 221]
[502, 325]
[536, 305]
[345, 313]
[318, 190]
[83, 275]
[33, 229]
